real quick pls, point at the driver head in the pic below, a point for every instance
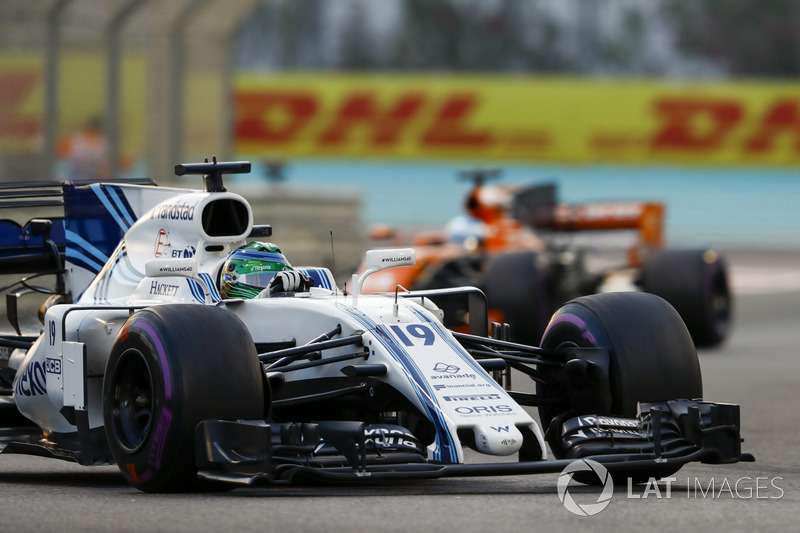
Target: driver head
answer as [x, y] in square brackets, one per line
[249, 269]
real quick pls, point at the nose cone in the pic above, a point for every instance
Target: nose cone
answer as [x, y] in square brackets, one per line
[501, 439]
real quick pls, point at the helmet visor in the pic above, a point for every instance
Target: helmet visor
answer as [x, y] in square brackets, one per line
[257, 279]
[248, 272]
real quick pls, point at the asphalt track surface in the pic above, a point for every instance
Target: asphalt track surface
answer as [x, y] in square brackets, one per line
[758, 368]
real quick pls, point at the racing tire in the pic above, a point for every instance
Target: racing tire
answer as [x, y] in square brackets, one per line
[518, 285]
[457, 272]
[652, 357]
[172, 366]
[695, 282]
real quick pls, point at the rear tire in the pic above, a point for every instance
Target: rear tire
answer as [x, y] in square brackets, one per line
[171, 367]
[457, 272]
[517, 284]
[695, 282]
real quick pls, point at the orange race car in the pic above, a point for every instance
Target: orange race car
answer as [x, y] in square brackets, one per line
[516, 245]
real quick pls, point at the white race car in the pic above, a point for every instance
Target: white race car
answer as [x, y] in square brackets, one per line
[148, 358]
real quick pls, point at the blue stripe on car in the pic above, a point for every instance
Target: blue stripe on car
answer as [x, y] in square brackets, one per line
[125, 270]
[318, 276]
[86, 215]
[115, 193]
[212, 288]
[84, 246]
[446, 452]
[197, 290]
[112, 209]
[456, 346]
[80, 259]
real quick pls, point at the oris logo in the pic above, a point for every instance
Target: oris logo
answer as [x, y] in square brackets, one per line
[484, 409]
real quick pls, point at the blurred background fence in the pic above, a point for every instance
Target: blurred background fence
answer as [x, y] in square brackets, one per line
[376, 104]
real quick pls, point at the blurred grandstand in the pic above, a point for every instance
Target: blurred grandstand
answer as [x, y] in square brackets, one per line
[704, 83]
[161, 74]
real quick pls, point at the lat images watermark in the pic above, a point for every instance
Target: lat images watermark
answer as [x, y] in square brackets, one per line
[590, 468]
[742, 488]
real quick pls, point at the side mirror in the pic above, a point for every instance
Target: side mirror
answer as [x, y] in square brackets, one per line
[383, 259]
[378, 260]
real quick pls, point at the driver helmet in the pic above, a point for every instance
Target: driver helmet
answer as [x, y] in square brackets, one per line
[467, 231]
[488, 203]
[249, 269]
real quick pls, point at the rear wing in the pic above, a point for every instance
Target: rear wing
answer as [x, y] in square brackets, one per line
[24, 248]
[537, 206]
[39, 244]
[647, 218]
[22, 244]
[45, 226]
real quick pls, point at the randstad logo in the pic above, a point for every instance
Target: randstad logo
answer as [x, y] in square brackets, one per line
[585, 509]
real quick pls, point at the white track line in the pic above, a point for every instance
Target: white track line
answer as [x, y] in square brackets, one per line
[763, 280]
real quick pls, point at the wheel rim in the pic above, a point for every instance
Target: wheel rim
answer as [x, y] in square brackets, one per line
[720, 308]
[548, 412]
[721, 305]
[132, 401]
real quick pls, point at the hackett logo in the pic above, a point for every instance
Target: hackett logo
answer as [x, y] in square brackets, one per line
[163, 289]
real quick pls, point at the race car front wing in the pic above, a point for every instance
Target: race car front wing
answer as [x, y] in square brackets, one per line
[663, 437]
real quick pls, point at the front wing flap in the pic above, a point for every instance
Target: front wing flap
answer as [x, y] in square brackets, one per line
[664, 435]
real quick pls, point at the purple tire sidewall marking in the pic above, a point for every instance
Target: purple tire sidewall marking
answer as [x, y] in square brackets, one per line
[165, 416]
[574, 320]
[159, 438]
[708, 297]
[709, 282]
[147, 328]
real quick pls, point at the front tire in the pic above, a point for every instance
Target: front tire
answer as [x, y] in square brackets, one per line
[652, 357]
[171, 367]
